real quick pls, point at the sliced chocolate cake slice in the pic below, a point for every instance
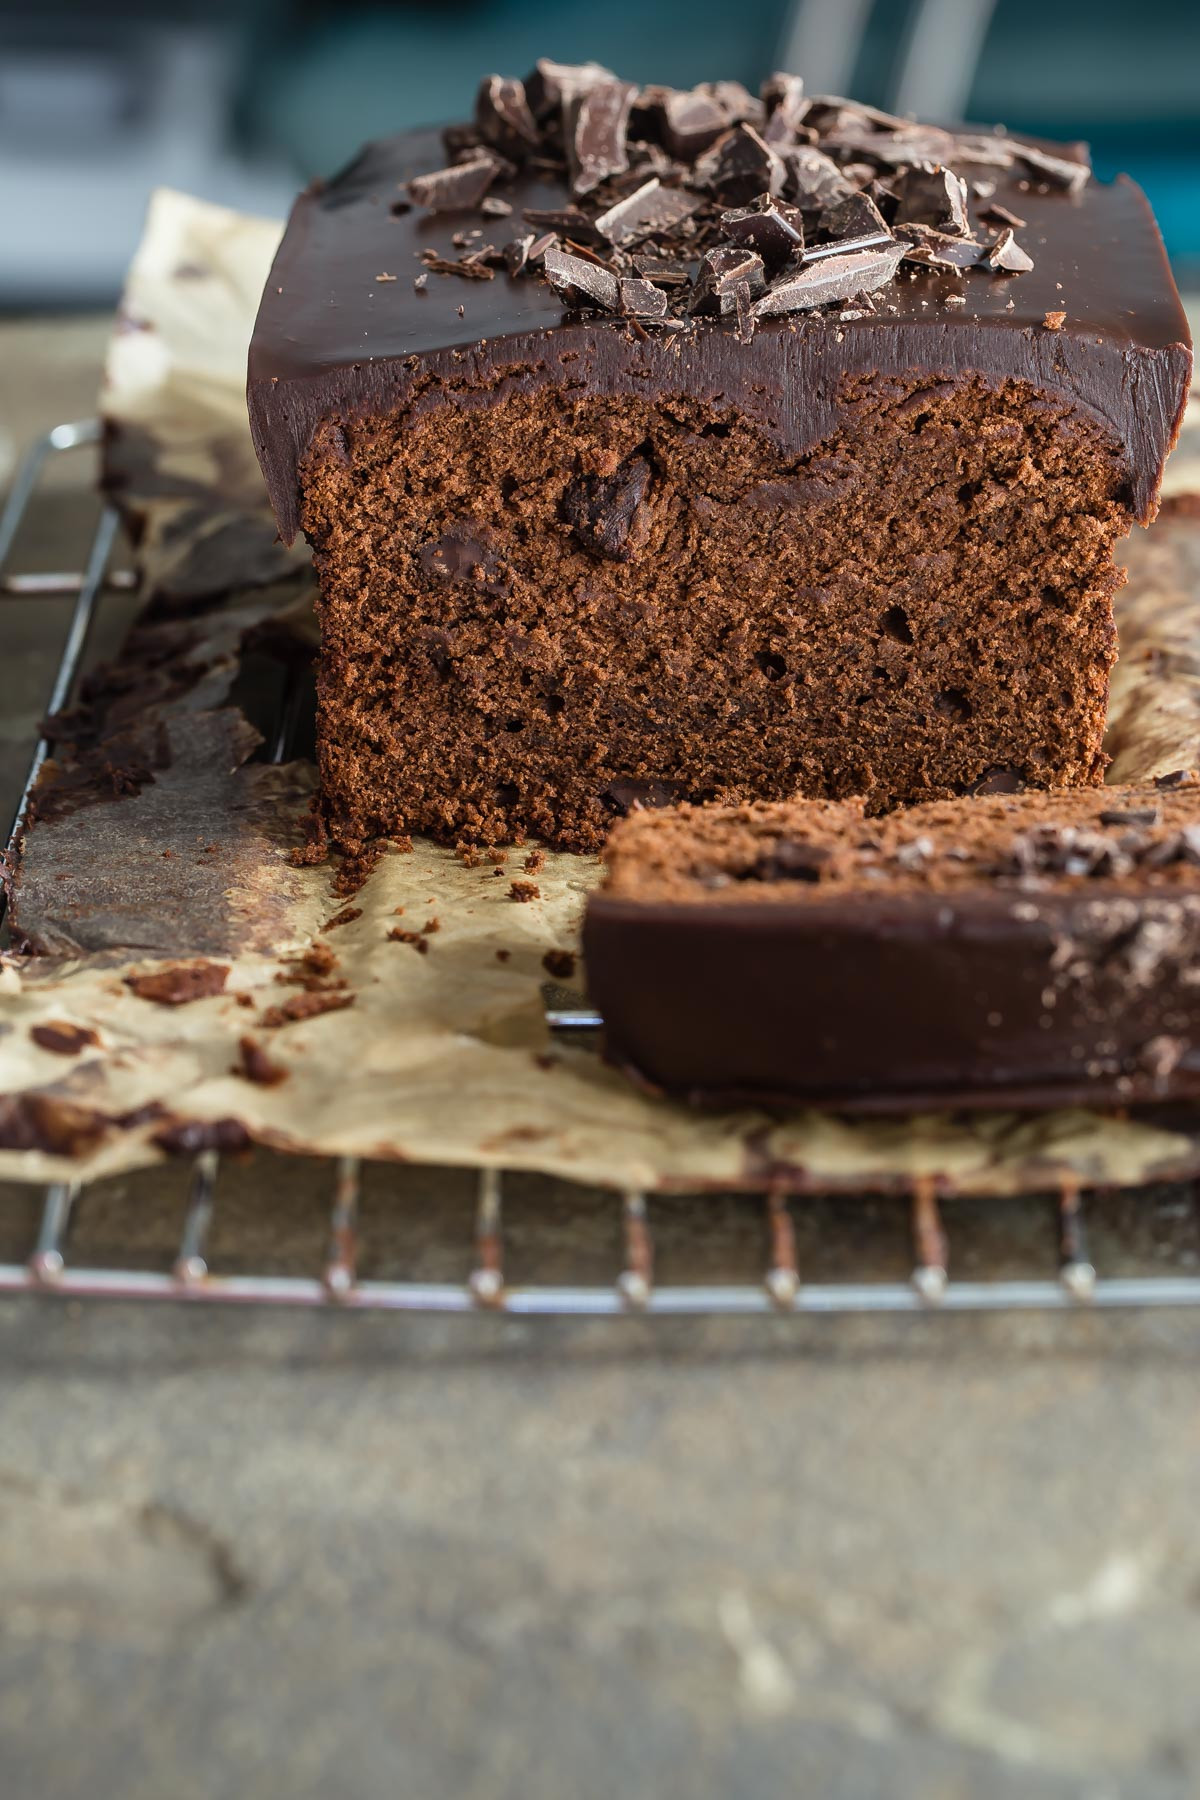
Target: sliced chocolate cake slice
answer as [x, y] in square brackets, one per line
[1030, 949]
[702, 445]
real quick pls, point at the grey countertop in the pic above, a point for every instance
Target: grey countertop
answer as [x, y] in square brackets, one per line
[252, 1553]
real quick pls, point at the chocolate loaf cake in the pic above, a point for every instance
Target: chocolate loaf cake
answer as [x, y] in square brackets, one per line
[660, 445]
[1030, 950]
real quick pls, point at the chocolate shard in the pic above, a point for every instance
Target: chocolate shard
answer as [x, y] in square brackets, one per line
[1000, 215]
[742, 298]
[458, 188]
[664, 271]
[570, 221]
[580, 280]
[721, 272]
[833, 113]
[783, 99]
[649, 210]
[461, 140]
[504, 117]
[739, 105]
[933, 196]
[813, 180]
[596, 122]
[771, 227]
[902, 148]
[640, 299]
[553, 85]
[1007, 255]
[1058, 171]
[854, 223]
[684, 120]
[739, 167]
[606, 512]
[928, 248]
[837, 277]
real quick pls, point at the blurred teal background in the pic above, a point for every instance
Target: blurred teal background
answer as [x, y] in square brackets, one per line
[241, 100]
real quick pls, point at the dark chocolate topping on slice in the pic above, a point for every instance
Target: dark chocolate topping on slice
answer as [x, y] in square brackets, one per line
[839, 276]
[648, 210]
[614, 191]
[458, 188]
[504, 116]
[771, 227]
[596, 122]
[936, 197]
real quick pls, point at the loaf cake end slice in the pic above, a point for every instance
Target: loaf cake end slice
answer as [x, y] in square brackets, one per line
[1033, 949]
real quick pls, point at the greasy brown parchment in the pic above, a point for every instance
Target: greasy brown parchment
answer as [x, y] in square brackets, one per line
[162, 838]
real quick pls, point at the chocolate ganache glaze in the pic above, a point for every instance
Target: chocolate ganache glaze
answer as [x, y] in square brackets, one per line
[1023, 950]
[369, 308]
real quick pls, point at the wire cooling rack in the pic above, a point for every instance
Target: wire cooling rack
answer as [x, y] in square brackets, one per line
[1064, 1278]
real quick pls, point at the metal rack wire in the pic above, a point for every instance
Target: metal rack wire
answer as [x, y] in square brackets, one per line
[781, 1289]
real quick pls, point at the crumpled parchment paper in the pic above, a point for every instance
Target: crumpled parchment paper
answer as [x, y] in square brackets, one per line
[406, 1020]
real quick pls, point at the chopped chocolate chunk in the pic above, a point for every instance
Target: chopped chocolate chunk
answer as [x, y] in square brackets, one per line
[553, 85]
[504, 117]
[605, 511]
[772, 228]
[936, 197]
[458, 188]
[581, 279]
[721, 272]
[927, 247]
[854, 223]
[837, 277]
[1140, 815]
[180, 984]
[255, 1065]
[663, 271]
[466, 266]
[596, 133]
[650, 209]
[783, 98]
[738, 104]
[1007, 255]
[739, 167]
[813, 180]
[493, 207]
[685, 122]
[1058, 171]
[1178, 778]
[516, 253]
[524, 890]
[640, 299]
[569, 221]
[999, 214]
